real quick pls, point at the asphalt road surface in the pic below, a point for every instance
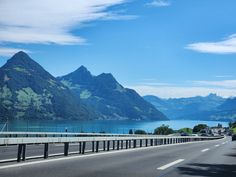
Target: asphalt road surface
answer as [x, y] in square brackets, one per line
[212, 158]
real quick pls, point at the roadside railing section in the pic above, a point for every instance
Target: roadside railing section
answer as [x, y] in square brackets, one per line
[106, 141]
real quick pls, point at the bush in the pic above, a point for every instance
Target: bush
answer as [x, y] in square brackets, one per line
[185, 130]
[131, 132]
[199, 127]
[140, 132]
[163, 130]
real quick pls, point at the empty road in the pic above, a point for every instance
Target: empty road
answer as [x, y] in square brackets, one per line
[211, 158]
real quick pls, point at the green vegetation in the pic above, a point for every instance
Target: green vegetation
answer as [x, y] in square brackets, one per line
[199, 127]
[19, 69]
[131, 132]
[85, 94]
[140, 132]
[232, 126]
[163, 130]
[186, 130]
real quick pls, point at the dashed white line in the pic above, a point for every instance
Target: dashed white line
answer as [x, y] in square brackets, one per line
[217, 145]
[170, 164]
[204, 150]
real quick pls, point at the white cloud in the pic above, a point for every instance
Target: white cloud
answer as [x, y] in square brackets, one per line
[51, 21]
[181, 92]
[224, 88]
[230, 84]
[226, 46]
[4, 51]
[159, 3]
[224, 76]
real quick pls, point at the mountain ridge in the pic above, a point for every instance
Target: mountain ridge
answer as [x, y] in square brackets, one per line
[27, 90]
[104, 94]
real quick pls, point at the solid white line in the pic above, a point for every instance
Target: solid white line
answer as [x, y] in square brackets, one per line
[7, 160]
[204, 150]
[170, 164]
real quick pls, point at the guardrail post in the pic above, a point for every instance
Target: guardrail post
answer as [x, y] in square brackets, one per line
[126, 142]
[45, 156]
[151, 142]
[134, 145]
[114, 144]
[92, 146]
[97, 146]
[118, 144]
[129, 143]
[66, 148]
[146, 142]
[141, 142]
[108, 145]
[122, 144]
[19, 152]
[104, 145]
[23, 153]
[83, 147]
[155, 142]
[80, 147]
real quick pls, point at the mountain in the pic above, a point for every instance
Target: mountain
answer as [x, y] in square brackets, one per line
[29, 91]
[106, 96]
[187, 108]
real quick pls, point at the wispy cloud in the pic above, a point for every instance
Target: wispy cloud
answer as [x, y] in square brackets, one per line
[45, 22]
[159, 3]
[226, 46]
[181, 92]
[224, 88]
[223, 76]
[231, 84]
[4, 51]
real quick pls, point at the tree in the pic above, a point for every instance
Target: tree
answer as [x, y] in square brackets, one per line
[199, 127]
[163, 130]
[140, 132]
[131, 131]
[185, 130]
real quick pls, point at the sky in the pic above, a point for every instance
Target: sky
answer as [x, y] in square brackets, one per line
[167, 48]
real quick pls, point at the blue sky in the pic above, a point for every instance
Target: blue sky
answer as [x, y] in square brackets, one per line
[174, 48]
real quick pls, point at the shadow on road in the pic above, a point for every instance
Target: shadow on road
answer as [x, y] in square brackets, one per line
[216, 170]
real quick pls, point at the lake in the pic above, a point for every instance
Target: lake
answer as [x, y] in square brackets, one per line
[100, 126]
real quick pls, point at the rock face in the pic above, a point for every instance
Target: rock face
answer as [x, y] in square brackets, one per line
[107, 97]
[29, 91]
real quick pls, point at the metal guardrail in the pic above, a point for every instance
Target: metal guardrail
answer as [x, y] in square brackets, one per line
[25, 138]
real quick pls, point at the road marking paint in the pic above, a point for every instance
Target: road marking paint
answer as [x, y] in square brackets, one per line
[217, 145]
[204, 150]
[7, 160]
[170, 164]
[223, 143]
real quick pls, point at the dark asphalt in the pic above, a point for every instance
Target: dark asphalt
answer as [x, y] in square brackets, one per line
[215, 161]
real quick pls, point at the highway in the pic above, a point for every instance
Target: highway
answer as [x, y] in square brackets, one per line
[210, 158]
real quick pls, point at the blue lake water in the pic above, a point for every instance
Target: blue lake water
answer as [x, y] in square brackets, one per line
[101, 126]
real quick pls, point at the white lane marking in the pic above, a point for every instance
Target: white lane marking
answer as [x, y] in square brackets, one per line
[7, 160]
[217, 145]
[223, 143]
[101, 153]
[204, 150]
[170, 164]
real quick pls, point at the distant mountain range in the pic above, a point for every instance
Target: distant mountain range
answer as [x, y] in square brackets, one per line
[109, 98]
[29, 91]
[211, 107]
